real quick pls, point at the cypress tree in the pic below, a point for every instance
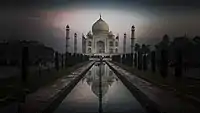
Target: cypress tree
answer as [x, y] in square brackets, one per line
[66, 59]
[144, 62]
[131, 59]
[179, 64]
[62, 60]
[123, 58]
[139, 60]
[164, 63]
[135, 60]
[57, 61]
[25, 64]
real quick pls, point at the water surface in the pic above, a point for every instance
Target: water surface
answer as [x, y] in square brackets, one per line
[100, 90]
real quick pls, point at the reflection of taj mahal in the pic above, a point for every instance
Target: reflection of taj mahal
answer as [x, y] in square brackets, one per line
[100, 41]
[92, 79]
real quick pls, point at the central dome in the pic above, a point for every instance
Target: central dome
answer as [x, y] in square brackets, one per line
[100, 26]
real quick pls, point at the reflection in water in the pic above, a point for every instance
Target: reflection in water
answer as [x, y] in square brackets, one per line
[86, 98]
[92, 79]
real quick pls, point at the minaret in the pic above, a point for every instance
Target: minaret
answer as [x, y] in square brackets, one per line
[83, 44]
[67, 38]
[75, 43]
[132, 38]
[124, 46]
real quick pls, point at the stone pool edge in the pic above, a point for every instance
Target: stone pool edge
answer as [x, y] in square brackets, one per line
[146, 103]
[51, 103]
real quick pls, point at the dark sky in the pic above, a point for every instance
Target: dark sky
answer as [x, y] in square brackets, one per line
[45, 20]
[54, 3]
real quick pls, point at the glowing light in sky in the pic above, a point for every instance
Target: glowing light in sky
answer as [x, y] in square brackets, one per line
[82, 20]
[46, 22]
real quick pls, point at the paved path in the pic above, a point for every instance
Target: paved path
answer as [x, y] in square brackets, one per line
[44, 98]
[164, 100]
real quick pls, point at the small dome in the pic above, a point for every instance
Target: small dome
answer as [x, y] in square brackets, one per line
[100, 26]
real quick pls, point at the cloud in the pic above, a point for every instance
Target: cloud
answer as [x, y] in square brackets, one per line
[64, 3]
[48, 25]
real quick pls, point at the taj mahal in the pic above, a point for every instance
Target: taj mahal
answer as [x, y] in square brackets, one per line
[101, 41]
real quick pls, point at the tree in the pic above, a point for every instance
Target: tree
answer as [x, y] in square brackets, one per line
[25, 64]
[145, 52]
[179, 64]
[123, 58]
[139, 59]
[137, 47]
[57, 61]
[135, 59]
[144, 62]
[139, 55]
[164, 63]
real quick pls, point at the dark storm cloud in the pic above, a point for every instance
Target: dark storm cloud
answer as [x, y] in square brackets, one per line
[60, 3]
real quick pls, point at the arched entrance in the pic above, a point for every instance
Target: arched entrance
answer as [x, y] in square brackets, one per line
[100, 47]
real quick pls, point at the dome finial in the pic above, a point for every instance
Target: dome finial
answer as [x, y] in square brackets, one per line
[100, 15]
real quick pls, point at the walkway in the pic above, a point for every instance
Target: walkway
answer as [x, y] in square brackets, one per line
[151, 95]
[46, 98]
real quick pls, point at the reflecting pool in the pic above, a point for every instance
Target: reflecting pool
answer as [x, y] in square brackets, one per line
[100, 91]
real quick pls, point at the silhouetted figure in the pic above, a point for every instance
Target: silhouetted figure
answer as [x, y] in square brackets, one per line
[153, 61]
